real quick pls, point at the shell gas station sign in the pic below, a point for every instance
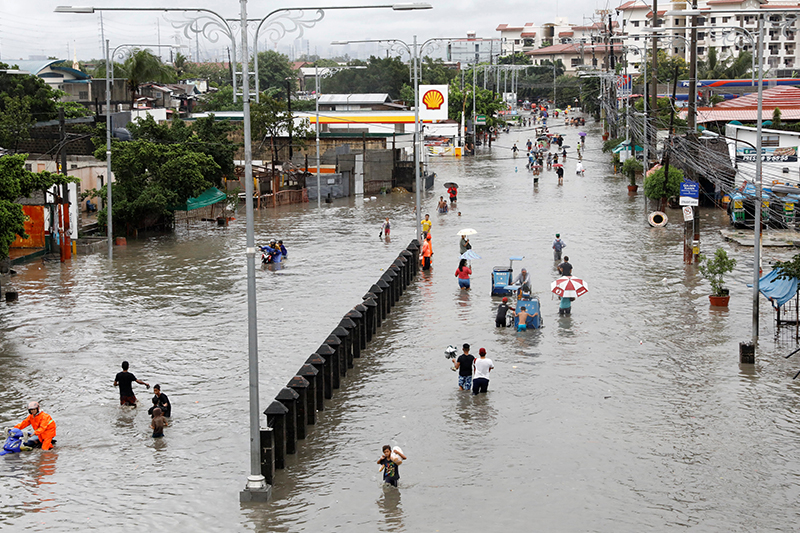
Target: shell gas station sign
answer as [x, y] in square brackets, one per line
[433, 103]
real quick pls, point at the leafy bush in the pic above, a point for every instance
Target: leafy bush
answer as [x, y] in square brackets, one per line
[612, 143]
[656, 187]
[630, 167]
[715, 268]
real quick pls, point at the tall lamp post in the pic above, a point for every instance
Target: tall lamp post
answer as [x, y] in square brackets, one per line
[415, 52]
[256, 488]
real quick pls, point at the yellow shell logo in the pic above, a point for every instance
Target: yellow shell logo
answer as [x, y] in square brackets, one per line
[433, 99]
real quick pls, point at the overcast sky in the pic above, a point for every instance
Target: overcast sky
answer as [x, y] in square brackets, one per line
[31, 28]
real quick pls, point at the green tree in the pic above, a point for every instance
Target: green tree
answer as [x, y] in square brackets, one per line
[270, 118]
[486, 103]
[714, 270]
[205, 135]
[15, 183]
[273, 70]
[656, 187]
[382, 75]
[776, 119]
[152, 177]
[667, 65]
[42, 99]
[220, 100]
[142, 66]
[789, 269]
[518, 58]
[436, 72]
[180, 64]
[16, 120]
[217, 74]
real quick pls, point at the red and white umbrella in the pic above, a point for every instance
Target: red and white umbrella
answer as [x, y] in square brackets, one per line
[569, 287]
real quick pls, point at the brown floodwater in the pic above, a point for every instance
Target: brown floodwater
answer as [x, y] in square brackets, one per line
[631, 415]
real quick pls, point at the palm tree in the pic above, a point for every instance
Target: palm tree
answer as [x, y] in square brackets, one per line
[141, 67]
[181, 62]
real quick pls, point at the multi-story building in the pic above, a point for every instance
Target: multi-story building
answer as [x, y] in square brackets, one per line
[714, 31]
[573, 44]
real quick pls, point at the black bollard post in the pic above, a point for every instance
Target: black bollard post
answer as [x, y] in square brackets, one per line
[380, 297]
[267, 456]
[373, 296]
[747, 353]
[310, 374]
[385, 294]
[350, 327]
[300, 386]
[347, 349]
[362, 326]
[398, 272]
[372, 311]
[390, 279]
[402, 265]
[409, 257]
[357, 319]
[289, 398]
[276, 420]
[414, 249]
[330, 351]
[323, 383]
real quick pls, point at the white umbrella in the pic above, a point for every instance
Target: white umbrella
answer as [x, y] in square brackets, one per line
[569, 287]
[470, 254]
[467, 231]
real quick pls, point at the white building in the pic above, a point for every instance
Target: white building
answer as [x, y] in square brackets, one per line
[529, 37]
[714, 31]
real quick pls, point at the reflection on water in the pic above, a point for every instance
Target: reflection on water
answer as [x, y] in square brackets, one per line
[391, 508]
[634, 406]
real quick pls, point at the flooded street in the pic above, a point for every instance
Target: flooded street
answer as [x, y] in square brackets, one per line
[633, 414]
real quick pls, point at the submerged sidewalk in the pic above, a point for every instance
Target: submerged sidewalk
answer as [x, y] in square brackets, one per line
[770, 237]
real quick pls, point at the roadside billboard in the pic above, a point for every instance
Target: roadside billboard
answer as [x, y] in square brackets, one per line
[433, 102]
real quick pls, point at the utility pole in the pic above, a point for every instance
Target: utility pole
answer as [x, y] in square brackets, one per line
[654, 72]
[66, 247]
[692, 119]
[291, 117]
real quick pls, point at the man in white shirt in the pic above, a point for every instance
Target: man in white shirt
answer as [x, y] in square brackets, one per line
[481, 368]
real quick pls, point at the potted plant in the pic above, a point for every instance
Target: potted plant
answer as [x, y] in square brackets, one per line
[714, 270]
[630, 167]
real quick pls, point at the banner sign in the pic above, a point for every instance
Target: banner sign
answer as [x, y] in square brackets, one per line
[783, 154]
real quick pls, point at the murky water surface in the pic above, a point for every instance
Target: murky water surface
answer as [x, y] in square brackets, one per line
[631, 415]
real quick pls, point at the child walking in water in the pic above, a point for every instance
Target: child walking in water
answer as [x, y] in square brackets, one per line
[390, 462]
[158, 423]
[386, 228]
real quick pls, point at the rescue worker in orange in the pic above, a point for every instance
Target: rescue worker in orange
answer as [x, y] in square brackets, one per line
[427, 252]
[43, 425]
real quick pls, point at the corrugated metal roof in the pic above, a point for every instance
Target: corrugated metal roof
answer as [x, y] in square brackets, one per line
[351, 99]
[715, 114]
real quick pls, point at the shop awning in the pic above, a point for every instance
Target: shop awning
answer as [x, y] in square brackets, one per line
[209, 197]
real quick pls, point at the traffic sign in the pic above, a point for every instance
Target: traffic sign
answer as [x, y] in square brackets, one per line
[688, 214]
[690, 189]
[688, 200]
[480, 120]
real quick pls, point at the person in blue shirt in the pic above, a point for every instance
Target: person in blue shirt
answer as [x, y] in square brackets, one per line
[283, 249]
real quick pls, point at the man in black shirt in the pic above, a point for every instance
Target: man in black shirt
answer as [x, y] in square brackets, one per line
[123, 380]
[502, 311]
[464, 367]
[565, 268]
[161, 401]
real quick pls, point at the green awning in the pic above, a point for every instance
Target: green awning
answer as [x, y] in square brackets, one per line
[209, 197]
